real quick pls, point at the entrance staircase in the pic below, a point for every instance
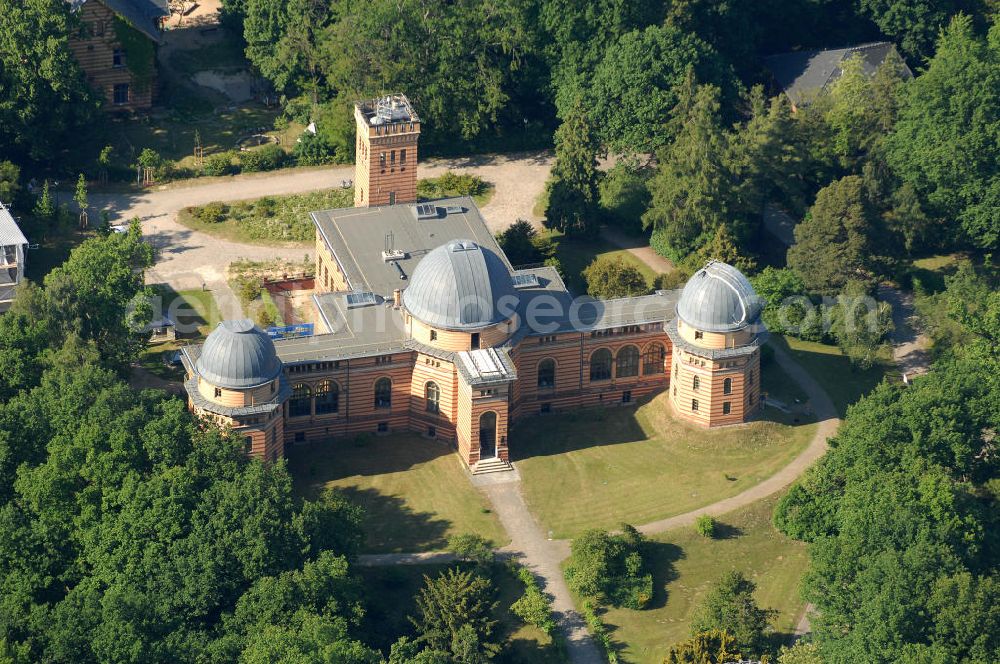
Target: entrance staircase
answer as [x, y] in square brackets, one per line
[493, 465]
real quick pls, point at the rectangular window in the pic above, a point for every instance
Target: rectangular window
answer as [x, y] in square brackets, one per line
[627, 396]
[474, 343]
[381, 160]
[726, 407]
[118, 58]
[698, 334]
[694, 404]
[218, 392]
[121, 94]
[545, 408]
[383, 427]
[434, 335]
[402, 156]
[432, 432]
[392, 157]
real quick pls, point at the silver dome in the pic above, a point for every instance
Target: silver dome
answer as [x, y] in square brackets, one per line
[238, 355]
[457, 286]
[718, 298]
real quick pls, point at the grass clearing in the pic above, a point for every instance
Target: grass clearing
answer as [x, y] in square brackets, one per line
[832, 370]
[415, 492]
[194, 311]
[576, 254]
[597, 468]
[931, 270]
[265, 220]
[685, 565]
[390, 595]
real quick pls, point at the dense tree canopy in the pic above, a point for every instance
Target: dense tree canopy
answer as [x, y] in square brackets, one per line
[907, 498]
[42, 92]
[633, 88]
[945, 138]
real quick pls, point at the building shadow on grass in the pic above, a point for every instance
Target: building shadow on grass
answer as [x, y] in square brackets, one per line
[314, 464]
[577, 430]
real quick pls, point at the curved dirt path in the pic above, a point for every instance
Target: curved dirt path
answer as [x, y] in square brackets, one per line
[827, 423]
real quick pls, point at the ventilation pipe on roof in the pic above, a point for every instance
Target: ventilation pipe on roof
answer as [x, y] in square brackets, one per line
[397, 298]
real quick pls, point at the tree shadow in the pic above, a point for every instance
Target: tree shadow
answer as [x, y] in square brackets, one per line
[392, 526]
[724, 531]
[660, 559]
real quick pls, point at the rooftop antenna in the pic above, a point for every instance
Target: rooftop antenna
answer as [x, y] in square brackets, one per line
[390, 253]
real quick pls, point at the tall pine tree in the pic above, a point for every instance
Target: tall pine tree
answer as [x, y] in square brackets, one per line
[572, 189]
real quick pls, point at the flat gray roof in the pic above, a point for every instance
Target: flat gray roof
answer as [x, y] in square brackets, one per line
[357, 237]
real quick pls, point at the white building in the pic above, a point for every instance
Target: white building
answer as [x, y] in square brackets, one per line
[12, 251]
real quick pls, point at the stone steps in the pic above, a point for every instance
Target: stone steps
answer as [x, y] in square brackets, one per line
[491, 466]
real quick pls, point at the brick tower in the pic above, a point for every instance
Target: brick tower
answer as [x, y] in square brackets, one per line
[386, 159]
[717, 335]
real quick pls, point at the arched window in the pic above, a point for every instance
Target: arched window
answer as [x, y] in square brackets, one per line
[301, 402]
[727, 386]
[600, 364]
[547, 373]
[627, 362]
[433, 393]
[695, 383]
[653, 358]
[383, 393]
[327, 398]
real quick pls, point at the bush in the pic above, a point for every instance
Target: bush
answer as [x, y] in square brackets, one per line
[210, 213]
[533, 607]
[266, 158]
[452, 184]
[523, 245]
[313, 150]
[472, 548]
[705, 526]
[219, 164]
[610, 568]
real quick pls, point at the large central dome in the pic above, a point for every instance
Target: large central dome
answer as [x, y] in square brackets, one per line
[458, 286]
[718, 298]
[238, 355]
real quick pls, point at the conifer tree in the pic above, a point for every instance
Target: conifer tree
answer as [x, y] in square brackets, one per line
[572, 189]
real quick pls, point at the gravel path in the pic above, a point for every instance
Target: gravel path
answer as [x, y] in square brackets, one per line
[909, 346]
[638, 248]
[190, 259]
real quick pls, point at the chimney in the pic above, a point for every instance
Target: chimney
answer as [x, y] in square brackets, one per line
[397, 298]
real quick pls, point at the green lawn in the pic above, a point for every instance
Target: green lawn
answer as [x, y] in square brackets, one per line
[269, 219]
[931, 270]
[390, 593]
[576, 254]
[415, 492]
[597, 468]
[832, 370]
[685, 565]
[194, 311]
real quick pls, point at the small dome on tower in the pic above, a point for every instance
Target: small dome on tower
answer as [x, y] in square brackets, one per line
[718, 298]
[238, 355]
[457, 286]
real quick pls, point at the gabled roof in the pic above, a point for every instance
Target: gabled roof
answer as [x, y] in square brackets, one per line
[10, 232]
[804, 73]
[143, 15]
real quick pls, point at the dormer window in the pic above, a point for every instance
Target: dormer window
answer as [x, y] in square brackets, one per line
[698, 334]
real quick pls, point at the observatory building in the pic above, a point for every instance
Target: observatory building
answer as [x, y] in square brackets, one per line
[422, 324]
